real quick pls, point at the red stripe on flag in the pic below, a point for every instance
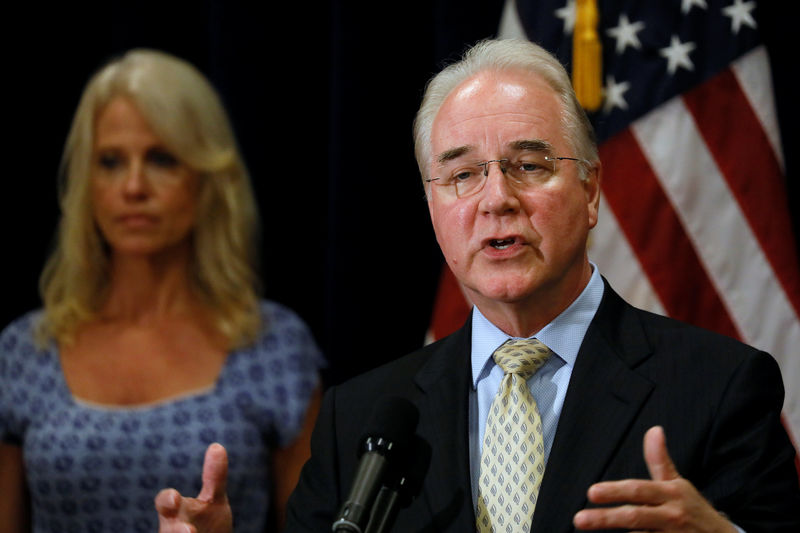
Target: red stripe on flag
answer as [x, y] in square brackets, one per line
[450, 309]
[658, 238]
[752, 171]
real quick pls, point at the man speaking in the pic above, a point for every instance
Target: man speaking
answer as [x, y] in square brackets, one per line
[557, 406]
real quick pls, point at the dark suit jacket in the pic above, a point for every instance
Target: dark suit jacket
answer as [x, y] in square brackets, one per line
[718, 400]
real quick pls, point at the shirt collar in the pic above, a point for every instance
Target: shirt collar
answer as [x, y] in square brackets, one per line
[563, 335]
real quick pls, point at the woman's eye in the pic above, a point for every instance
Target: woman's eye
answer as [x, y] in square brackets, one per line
[108, 161]
[162, 158]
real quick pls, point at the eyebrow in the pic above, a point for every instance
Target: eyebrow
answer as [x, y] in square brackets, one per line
[453, 153]
[531, 145]
[522, 145]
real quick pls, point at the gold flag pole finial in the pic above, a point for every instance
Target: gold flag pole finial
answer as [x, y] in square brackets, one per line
[587, 56]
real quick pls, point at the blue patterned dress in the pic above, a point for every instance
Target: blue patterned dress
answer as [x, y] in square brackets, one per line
[97, 469]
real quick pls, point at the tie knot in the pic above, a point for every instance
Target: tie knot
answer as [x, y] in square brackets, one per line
[522, 357]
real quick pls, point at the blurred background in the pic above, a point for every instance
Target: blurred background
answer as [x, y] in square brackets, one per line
[322, 96]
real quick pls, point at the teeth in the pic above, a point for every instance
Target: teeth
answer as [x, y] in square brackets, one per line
[501, 244]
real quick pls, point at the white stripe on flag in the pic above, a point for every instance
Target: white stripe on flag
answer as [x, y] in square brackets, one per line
[753, 73]
[723, 239]
[510, 25]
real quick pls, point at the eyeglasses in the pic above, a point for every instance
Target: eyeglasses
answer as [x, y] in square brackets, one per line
[529, 170]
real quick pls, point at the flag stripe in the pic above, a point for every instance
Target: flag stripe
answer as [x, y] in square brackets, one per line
[450, 309]
[620, 265]
[726, 244]
[751, 170]
[755, 79]
[658, 237]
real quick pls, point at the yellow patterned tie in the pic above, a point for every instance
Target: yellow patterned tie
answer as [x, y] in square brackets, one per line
[512, 461]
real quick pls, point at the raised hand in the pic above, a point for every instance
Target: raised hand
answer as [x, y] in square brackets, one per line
[210, 512]
[667, 502]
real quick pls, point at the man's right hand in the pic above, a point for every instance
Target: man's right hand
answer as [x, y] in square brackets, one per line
[210, 512]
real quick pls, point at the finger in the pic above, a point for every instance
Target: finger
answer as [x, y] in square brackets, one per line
[624, 517]
[169, 525]
[166, 525]
[639, 491]
[657, 457]
[168, 503]
[215, 474]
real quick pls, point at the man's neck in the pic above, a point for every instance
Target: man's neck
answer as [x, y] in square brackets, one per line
[523, 318]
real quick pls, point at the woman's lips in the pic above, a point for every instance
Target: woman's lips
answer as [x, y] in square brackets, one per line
[137, 220]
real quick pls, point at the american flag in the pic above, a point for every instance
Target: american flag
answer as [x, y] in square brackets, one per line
[694, 221]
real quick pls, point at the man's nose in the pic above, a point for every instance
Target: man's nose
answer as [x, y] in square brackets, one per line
[498, 195]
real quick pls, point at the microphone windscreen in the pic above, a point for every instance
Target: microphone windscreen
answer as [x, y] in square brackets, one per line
[393, 419]
[413, 470]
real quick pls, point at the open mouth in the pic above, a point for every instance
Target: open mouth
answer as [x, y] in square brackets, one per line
[501, 244]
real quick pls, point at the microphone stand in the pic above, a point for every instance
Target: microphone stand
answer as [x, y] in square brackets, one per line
[384, 510]
[374, 495]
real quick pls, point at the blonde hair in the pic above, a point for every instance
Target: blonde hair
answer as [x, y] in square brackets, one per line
[185, 112]
[503, 55]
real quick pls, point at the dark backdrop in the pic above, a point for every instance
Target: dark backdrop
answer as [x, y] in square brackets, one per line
[322, 97]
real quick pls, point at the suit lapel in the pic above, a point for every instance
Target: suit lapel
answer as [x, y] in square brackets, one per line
[445, 382]
[602, 400]
[604, 396]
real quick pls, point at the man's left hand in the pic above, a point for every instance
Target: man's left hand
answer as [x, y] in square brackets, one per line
[665, 503]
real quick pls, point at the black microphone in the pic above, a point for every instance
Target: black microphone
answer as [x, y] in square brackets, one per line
[402, 484]
[388, 434]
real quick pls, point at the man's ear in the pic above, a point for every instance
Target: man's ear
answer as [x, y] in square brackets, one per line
[591, 187]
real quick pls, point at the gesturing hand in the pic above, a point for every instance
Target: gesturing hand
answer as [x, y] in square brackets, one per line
[210, 511]
[665, 503]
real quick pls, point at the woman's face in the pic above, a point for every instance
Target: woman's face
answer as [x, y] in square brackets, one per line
[144, 199]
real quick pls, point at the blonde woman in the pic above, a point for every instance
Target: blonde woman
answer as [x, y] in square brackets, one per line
[152, 343]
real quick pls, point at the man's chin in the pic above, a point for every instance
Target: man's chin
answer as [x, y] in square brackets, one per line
[503, 292]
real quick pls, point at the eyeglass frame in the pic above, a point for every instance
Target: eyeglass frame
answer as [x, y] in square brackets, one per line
[485, 165]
